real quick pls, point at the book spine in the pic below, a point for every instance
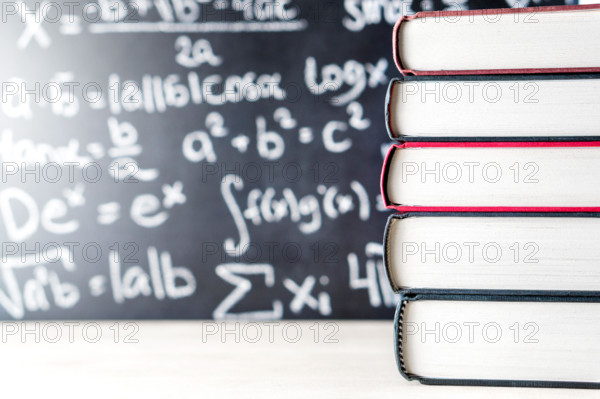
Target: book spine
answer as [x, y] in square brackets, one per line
[398, 338]
[384, 175]
[396, 47]
[388, 110]
[387, 248]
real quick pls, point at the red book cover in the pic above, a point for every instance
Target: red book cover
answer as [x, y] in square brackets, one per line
[424, 145]
[488, 12]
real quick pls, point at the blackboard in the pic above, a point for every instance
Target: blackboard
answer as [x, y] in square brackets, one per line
[196, 158]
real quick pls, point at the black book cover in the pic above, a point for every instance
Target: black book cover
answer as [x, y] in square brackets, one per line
[406, 298]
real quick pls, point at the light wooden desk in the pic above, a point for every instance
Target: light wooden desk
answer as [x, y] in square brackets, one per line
[187, 359]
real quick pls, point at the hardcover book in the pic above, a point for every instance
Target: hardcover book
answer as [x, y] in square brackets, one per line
[503, 252]
[494, 107]
[493, 176]
[517, 40]
[510, 340]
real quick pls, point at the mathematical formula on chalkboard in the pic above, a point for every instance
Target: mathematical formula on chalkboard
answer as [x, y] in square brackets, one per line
[195, 158]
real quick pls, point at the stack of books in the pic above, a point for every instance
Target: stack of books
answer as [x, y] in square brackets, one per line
[495, 174]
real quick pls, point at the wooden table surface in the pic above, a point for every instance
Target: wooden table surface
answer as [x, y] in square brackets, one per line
[201, 359]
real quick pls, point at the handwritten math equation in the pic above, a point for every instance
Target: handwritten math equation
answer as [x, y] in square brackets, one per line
[195, 158]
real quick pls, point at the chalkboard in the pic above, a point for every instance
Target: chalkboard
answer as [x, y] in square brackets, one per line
[196, 158]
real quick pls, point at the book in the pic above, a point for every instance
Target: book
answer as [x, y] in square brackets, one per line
[503, 252]
[495, 175]
[511, 340]
[519, 40]
[494, 107]
[535, 176]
